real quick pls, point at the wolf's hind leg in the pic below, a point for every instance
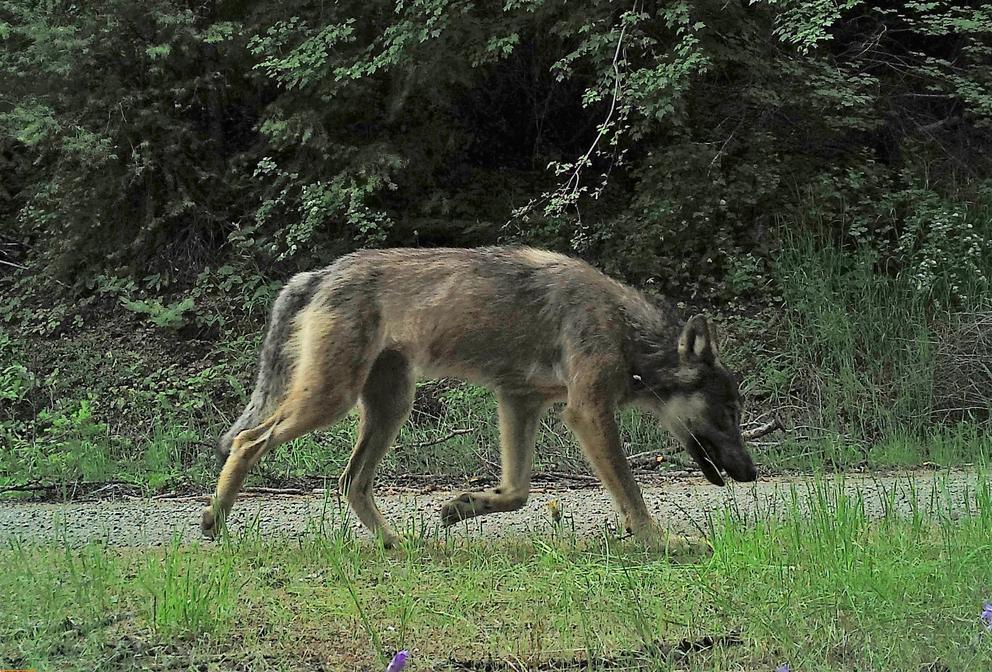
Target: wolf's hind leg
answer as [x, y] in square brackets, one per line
[291, 420]
[327, 378]
[246, 450]
[386, 401]
[519, 416]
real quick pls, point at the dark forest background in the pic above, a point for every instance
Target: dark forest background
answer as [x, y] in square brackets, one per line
[817, 174]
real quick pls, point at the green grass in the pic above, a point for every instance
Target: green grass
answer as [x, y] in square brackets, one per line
[823, 589]
[176, 457]
[956, 445]
[75, 446]
[858, 351]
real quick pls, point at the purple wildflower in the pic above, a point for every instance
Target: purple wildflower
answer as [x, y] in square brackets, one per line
[784, 667]
[987, 615]
[398, 662]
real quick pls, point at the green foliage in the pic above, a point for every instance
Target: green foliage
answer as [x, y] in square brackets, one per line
[61, 445]
[120, 106]
[860, 349]
[167, 317]
[188, 597]
[818, 576]
[166, 164]
[15, 379]
[159, 134]
[945, 250]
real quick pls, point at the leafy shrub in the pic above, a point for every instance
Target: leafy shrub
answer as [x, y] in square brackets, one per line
[655, 138]
[943, 251]
[167, 317]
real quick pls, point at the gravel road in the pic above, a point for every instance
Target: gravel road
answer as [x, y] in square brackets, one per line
[681, 503]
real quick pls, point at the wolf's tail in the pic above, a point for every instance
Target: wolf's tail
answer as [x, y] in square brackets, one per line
[275, 363]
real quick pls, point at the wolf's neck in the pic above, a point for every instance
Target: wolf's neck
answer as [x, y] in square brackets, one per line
[653, 347]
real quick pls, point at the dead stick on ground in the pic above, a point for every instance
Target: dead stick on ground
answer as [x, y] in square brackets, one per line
[10, 263]
[450, 435]
[763, 430]
[27, 487]
[69, 485]
[275, 491]
[584, 478]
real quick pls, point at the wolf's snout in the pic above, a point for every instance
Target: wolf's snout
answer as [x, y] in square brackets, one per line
[742, 469]
[718, 453]
[737, 462]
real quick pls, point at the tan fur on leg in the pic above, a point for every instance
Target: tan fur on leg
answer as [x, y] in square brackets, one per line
[595, 426]
[315, 400]
[519, 417]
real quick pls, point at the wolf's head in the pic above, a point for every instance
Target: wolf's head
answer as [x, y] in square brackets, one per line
[701, 406]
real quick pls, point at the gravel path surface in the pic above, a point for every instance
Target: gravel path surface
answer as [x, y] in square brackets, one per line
[683, 504]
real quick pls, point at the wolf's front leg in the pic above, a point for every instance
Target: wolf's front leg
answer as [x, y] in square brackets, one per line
[519, 417]
[594, 423]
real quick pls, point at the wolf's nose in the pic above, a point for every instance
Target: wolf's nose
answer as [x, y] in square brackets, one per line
[749, 474]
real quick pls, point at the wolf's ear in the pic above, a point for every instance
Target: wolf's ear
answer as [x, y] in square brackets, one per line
[698, 341]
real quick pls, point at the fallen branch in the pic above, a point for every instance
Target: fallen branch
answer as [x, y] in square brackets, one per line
[10, 263]
[763, 430]
[169, 495]
[275, 491]
[105, 488]
[27, 487]
[450, 435]
[652, 458]
[583, 478]
[71, 486]
[647, 454]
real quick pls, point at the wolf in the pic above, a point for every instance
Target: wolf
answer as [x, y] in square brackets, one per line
[533, 326]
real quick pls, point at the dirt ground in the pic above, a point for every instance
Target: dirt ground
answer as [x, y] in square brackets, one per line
[683, 504]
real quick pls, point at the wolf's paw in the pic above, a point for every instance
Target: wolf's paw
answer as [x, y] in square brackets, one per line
[210, 522]
[390, 539]
[687, 546]
[458, 509]
[657, 539]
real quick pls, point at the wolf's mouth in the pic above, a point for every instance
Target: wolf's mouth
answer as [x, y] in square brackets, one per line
[707, 459]
[711, 461]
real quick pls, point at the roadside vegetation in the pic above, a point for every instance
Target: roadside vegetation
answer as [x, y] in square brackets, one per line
[816, 175]
[862, 369]
[818, 589]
